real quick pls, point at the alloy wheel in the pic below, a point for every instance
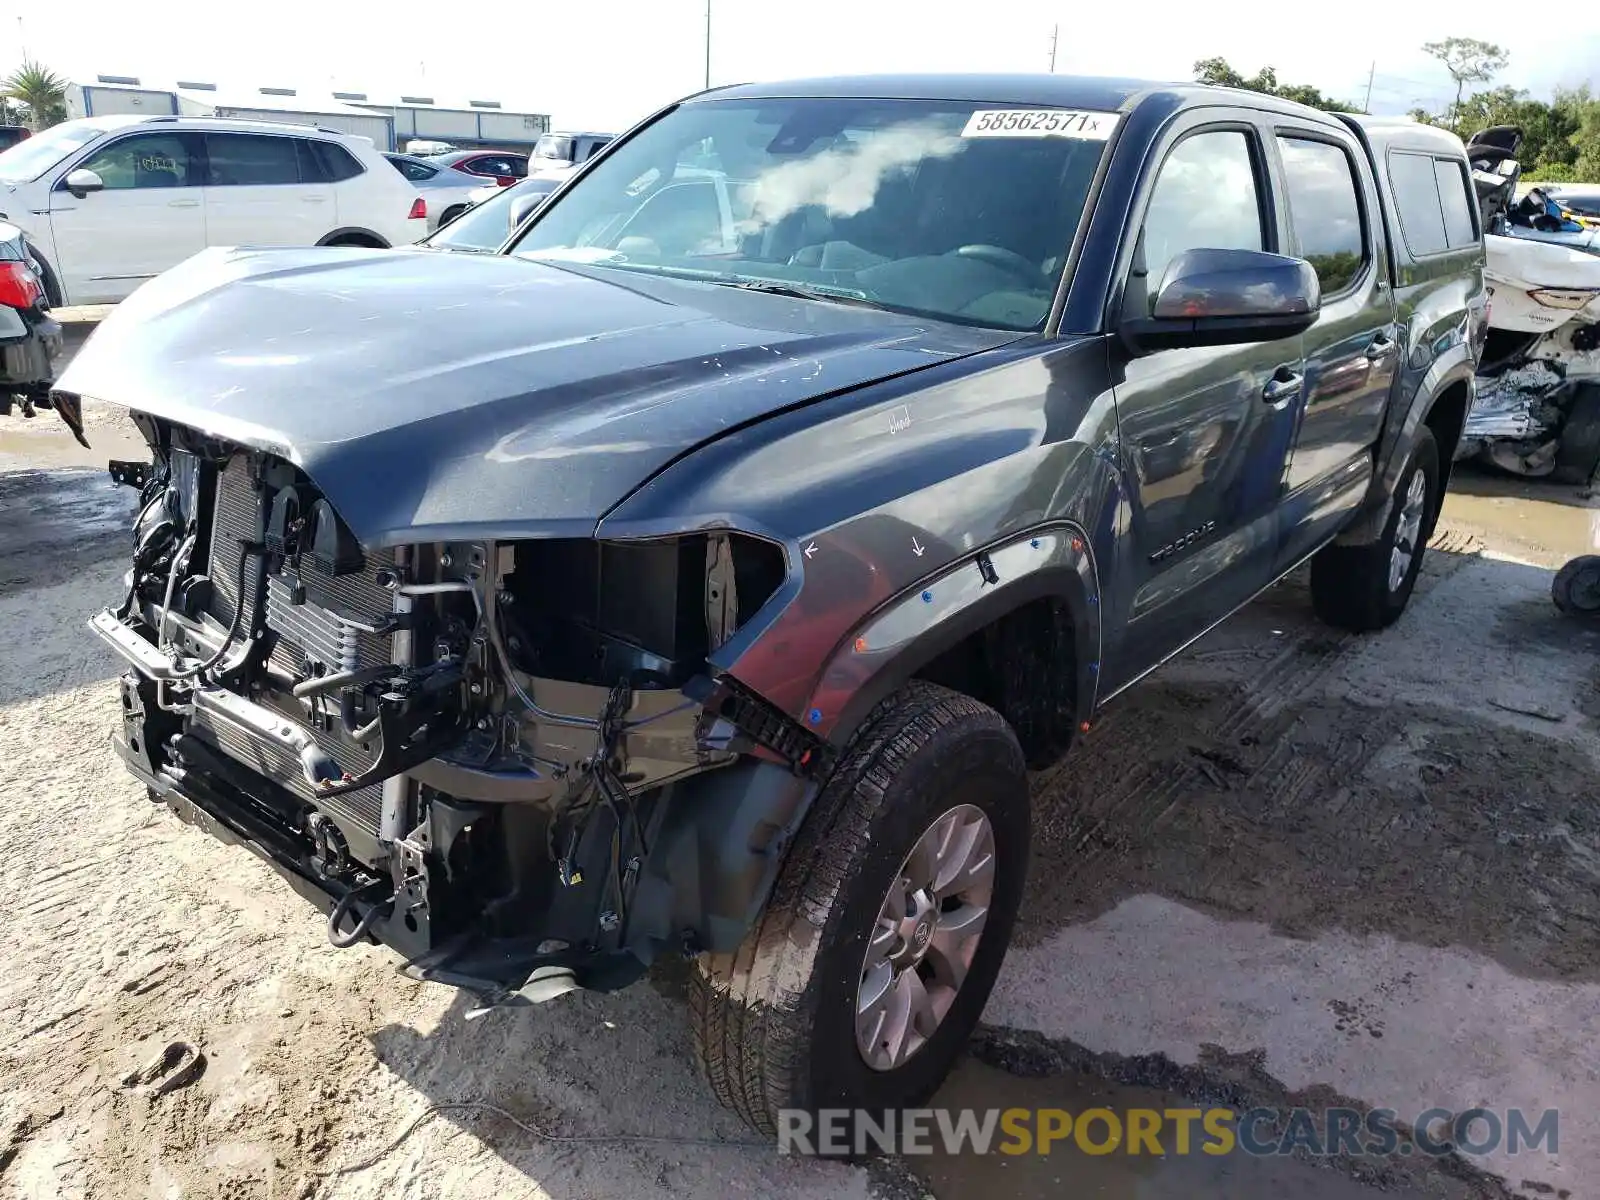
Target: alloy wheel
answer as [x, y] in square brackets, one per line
[1408, 531]
[925, 936]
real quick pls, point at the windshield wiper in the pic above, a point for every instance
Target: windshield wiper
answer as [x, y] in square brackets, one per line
[799, 291]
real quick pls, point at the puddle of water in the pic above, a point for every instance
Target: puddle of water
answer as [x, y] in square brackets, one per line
[1067, 1170]
[45, 442]
[1555, 521]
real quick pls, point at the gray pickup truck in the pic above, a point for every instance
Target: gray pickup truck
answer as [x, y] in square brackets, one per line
[702, 572]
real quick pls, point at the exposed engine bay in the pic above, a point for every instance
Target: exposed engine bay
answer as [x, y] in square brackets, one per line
[1537, 408]
[485, 754]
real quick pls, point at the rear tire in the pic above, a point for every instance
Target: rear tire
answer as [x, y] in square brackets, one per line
[450, 214]
[1365, 588]
[775, 1023]
[1578, 451]
[1576, 587]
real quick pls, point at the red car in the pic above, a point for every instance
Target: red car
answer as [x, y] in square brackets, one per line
[503, 166]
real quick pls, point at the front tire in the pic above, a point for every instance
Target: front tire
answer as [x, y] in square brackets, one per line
[865, 975]
[1365, 588]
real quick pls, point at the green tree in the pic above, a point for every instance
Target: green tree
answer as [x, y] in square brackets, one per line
[1220, 73]
[1468, 60]
[41, 90]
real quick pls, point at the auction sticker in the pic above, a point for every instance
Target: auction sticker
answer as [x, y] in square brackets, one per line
[1040, 122]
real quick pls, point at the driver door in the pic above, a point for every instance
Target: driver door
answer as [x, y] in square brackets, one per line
[1205, 431]
[149, 216]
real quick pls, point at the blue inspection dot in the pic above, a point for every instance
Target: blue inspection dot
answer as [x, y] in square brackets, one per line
[927, 597]
[1094, 599]
[1034, 542]
[816, 716]
[1094, 668]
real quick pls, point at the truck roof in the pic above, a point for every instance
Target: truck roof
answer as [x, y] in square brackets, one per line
[1094, 92]
[1384, 133]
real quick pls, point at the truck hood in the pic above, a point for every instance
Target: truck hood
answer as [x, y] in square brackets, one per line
[434, 395]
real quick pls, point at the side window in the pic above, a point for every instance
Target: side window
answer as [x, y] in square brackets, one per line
[596, 146]
[1416, 195]
[1459, 229]
[250, 159]
[337, 163]
[416, 172]
[312, 169]
[1206, 197]
[1325, 205]
[147, 160]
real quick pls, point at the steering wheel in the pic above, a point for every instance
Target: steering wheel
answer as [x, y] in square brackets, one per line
[1009, 261]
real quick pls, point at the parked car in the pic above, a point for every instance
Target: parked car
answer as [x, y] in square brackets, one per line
[30, 339]
[503, 166]
[109, 202]
[701, 577]
[447, 191]
[560, 152]
[10, 135]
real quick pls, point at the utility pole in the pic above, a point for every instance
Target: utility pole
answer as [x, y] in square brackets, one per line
[1055, 34]
[708, 43]
[1370, 74]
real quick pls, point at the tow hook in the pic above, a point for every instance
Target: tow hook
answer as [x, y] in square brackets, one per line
[380, 893]
[330, 855]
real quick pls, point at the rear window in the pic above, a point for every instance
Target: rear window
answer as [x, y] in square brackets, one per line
[336, 162]
[553, 146]
[414, 171]
[1457, 201]
[1434, 203]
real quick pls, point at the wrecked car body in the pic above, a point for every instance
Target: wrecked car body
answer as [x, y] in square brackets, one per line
[702, 572]
[1537, 406]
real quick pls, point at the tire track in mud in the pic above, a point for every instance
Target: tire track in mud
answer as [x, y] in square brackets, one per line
[1172, 736]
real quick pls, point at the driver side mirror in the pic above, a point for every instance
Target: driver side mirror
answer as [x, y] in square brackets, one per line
[83, 181]
[1227, 297]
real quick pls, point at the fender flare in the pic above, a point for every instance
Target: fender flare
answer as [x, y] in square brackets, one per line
[1394, 448]
[909, 631]
[355, 231]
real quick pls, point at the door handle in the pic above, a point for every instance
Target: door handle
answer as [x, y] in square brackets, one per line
[313, 199]
[183, 204]
[1379, 346]
[1284, 385]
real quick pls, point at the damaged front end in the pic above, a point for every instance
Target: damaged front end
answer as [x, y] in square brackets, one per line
[508, 760]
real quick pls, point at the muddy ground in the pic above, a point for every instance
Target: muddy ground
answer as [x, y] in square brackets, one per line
[1292, 867]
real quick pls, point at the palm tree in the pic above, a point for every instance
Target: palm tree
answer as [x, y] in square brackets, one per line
[42, 90]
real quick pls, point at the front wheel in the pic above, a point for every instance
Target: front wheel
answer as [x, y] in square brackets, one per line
[1364, 588]
[863, 979]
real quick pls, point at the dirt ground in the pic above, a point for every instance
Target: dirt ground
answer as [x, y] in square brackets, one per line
[1293, 866]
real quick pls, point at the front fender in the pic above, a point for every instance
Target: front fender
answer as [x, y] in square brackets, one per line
[901, 637]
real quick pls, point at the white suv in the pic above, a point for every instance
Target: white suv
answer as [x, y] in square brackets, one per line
[108, 202]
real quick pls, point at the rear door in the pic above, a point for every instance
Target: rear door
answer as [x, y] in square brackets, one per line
[149, 217]
[263, 190]
[1353, 350]
[1205, 431]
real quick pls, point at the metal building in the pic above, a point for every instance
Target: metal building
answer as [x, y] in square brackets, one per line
[285, 105]
[118, 94]
[390, 121]
[475, 123]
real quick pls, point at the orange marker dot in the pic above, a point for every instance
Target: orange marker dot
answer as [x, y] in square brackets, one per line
[1077, 543]
[861, 645]
[1084, 727]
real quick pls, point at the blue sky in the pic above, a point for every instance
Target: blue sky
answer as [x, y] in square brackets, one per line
[603, 63]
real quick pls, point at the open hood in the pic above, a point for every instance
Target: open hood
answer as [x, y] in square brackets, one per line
[438, 395]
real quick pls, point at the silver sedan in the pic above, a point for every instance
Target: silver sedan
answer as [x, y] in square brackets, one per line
[445, 189]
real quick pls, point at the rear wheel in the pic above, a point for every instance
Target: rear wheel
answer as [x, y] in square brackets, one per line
[451, 213]
[1578, 451]
[1576, 587]
[1363, 588]
[865, 975]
